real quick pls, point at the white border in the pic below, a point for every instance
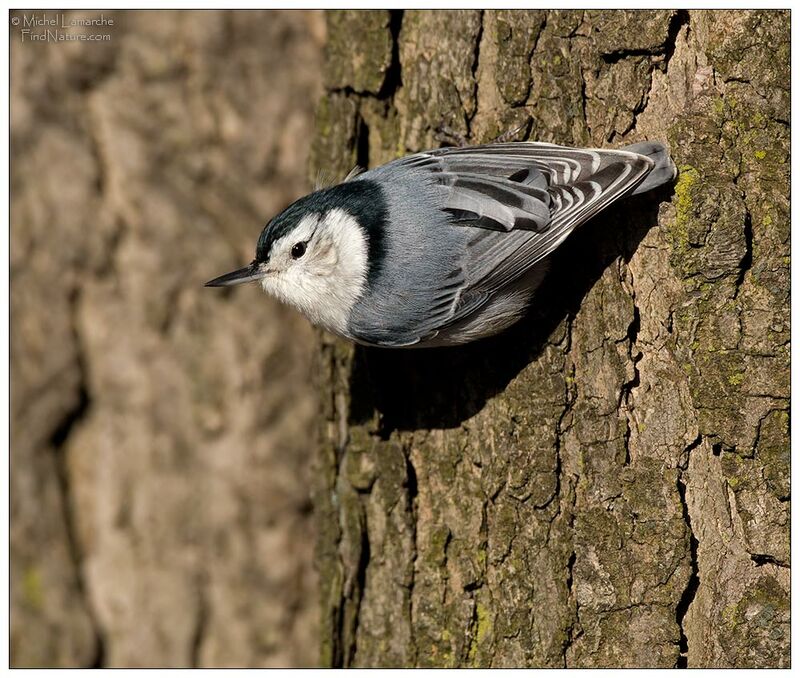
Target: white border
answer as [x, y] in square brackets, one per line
[172, 4]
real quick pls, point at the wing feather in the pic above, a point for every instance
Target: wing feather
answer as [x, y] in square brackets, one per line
[523, 199]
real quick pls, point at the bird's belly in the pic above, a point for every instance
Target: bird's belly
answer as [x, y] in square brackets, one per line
[499, 313]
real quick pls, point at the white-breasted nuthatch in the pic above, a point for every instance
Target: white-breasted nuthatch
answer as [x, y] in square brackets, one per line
[442, 247]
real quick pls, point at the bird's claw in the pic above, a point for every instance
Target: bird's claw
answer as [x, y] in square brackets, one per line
[447, 136]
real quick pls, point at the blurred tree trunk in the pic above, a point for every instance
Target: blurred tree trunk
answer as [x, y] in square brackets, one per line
[607, 484]
[160, 510]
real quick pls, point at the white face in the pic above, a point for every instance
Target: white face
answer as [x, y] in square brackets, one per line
[320, 268]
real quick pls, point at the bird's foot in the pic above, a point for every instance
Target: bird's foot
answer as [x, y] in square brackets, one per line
[447, 136]
[512, 134]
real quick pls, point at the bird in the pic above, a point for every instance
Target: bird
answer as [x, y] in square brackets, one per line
[441, 247]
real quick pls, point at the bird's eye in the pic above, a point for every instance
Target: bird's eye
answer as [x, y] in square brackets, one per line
[298, 250]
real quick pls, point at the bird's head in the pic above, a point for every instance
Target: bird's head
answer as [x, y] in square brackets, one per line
[317, 255]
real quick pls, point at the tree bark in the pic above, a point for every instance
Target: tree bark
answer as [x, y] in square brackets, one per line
[606, 484]
[160, 512]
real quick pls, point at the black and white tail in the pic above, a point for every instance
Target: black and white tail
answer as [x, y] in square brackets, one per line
[663, 172]
[537, 188]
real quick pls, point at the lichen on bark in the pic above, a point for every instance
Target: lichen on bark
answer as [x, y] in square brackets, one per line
[606, 484]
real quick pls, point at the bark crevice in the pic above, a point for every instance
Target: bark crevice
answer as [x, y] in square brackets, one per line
[689, 593]
[59, 439]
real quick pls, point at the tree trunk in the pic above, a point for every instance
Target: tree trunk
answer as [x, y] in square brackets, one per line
[160, 431]
[606, 484]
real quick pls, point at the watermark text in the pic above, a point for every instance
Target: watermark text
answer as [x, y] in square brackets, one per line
[57, 27]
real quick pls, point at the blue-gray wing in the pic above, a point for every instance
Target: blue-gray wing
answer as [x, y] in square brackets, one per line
[529, 185]
[523, 200]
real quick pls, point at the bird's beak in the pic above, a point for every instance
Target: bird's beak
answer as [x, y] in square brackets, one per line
[243, 275]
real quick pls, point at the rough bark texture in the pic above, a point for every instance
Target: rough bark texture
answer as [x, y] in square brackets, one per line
[607, 484]
[160, 431]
